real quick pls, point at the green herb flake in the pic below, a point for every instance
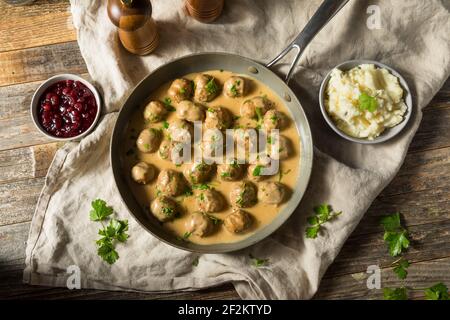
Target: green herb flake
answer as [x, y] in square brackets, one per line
[165, 125]
[395, 236]
[437, 292]
[258, 262]
[400, 268]
[257, 171]
[211, 87]
[367, 102]
[168, 105]
[195, 261]
[395, 294]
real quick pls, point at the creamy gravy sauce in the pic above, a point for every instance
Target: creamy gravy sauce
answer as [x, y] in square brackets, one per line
[262, 214]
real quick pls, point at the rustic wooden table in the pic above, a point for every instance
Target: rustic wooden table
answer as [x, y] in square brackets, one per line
[38, 41]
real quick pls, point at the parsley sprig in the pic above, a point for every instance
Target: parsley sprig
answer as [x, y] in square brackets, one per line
[367, 102]
[323, 213]
[395, 235]
[438, 291]
[115, 231]
[400, 268]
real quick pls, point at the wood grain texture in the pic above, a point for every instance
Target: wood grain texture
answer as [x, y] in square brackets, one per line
[40, 63]
[22, 26]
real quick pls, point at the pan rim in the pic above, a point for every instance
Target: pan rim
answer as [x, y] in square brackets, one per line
[302, 180]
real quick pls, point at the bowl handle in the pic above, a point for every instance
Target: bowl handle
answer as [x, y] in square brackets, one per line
[327, 10]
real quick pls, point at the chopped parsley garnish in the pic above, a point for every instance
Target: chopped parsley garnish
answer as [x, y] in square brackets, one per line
[367, 102]
[215, 221]
[195, 261]
[202, 186]
[258, 262]
[211, 87]
[257, 171]
[112, 232]
[182, 90]
[323, 213]
[167, 211]
[225, 174]
[165, 125]
[168, 105]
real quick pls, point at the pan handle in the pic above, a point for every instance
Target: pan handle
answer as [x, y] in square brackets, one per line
[323, 15]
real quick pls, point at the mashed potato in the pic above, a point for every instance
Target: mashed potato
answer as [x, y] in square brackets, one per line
[369, 84]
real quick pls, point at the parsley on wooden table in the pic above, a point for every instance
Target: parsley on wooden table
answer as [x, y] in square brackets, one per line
[395, 235]
[400, 268]
[438, 291]
[115, 231]
[323, 213]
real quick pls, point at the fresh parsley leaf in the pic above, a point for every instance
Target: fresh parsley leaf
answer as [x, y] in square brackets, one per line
[437, 292]
[312, 232]
[323, 213]
[106, 251]
[259, 115]
[395, 236]
[367, 102]
[100, 211]
[165, 125]
[397, 242]
[225, 174]
[395, 294]
[186, 235]
[258, 262]
[391, 223]
[400, 268]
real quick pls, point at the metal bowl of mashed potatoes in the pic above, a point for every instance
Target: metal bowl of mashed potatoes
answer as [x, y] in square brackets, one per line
[365, 101]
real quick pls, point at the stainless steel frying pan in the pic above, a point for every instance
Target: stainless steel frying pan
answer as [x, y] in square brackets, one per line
[239, 65]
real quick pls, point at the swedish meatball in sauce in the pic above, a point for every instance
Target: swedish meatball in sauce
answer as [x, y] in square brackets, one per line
[226, 214]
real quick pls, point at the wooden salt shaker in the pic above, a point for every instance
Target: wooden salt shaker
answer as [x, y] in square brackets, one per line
[205, 11]
[137, 30]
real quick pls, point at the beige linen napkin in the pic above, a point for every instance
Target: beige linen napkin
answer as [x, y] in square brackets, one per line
[414, 39]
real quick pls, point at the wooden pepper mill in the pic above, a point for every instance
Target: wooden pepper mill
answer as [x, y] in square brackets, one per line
[137, 30]
[205, 11]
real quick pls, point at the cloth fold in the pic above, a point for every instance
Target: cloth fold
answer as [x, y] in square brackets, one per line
[414, 38]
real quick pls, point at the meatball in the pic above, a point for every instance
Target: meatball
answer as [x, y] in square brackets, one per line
[284, 147]
[190, 111]
[229, 171]
[149, 140]
[198, 172]
[164, 208]
[169, 148]
[170, 183]
[234, 87]
[237, 221]
[274, 119]
[181, 89]
[209, 201]
[255, 107]
[218, 118]
[143, 172]
[243, 194]
[206, 88]
[180, 131]
[271, 192]
[154, 112]
[199, 224]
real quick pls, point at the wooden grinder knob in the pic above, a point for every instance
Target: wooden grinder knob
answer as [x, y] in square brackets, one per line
[137, 30]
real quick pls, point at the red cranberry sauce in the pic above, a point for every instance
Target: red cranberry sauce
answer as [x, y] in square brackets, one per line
[67, 109]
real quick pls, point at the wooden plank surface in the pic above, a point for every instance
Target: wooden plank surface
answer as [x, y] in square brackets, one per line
[41, 23]
[38, 41]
